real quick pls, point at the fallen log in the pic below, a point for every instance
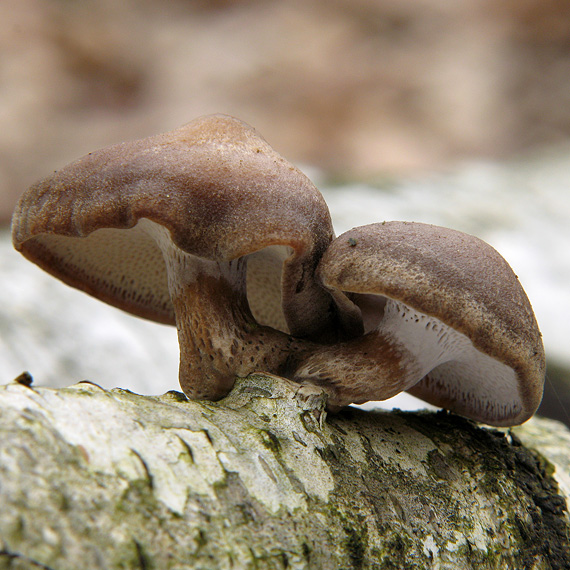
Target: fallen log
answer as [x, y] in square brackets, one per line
[94, 478]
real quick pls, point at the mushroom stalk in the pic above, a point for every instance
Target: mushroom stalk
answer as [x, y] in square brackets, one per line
[403, 347]
[218, 336]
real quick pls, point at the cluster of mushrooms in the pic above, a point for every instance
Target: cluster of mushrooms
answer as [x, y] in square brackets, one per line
[207, 228]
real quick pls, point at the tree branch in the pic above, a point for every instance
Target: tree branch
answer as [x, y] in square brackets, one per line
[91, 478]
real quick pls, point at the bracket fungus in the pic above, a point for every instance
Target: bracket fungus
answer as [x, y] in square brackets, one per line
[207, 228]
[166, 228]
[445, 318]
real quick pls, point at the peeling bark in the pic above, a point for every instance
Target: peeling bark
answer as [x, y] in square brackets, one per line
[101, 479]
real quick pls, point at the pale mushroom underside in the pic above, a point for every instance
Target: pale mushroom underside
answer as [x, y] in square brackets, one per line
[125, 267]
[454, 368]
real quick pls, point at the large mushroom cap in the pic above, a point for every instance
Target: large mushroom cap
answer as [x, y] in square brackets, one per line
[219, 189]
[437, 275]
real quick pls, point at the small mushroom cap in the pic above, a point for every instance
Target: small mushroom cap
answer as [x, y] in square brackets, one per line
[464, 283]
[215, 184]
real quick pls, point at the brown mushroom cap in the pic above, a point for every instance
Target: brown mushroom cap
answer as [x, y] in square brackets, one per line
[463, 283]
[220, 190]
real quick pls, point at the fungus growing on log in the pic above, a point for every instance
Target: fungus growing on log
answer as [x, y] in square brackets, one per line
[207, 228]
[445, 318]
[166, 227]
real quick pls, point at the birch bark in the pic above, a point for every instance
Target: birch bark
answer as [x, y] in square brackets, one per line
[266, 479]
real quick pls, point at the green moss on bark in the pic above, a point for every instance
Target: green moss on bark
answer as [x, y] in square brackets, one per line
[116, 480]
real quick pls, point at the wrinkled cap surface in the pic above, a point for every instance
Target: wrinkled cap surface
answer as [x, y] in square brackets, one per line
[461, 281]
[215, 184]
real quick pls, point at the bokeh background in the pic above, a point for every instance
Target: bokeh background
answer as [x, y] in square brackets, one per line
[355, 87]
[363, 94]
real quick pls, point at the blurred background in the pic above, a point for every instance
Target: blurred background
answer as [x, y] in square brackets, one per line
[455, 113]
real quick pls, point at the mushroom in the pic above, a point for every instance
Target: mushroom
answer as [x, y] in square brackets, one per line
[445, 318]
[166, 228]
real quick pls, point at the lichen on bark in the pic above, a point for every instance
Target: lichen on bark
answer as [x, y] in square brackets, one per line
[265, 478]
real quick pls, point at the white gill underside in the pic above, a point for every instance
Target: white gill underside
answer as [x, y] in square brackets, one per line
[182, 267]
[123, 267]
[264, 273]
[264, 291]
[449, 356]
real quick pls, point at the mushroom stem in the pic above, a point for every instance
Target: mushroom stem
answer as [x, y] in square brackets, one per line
[218, 336]
[403, 347]
[373, 367]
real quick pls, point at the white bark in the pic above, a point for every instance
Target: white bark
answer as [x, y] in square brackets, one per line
[265, 479]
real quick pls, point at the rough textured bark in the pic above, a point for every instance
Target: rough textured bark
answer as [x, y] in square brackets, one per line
[265, 479]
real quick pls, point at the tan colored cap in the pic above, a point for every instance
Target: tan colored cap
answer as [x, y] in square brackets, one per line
[219, 189]
[205, 227]
[452, 302]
